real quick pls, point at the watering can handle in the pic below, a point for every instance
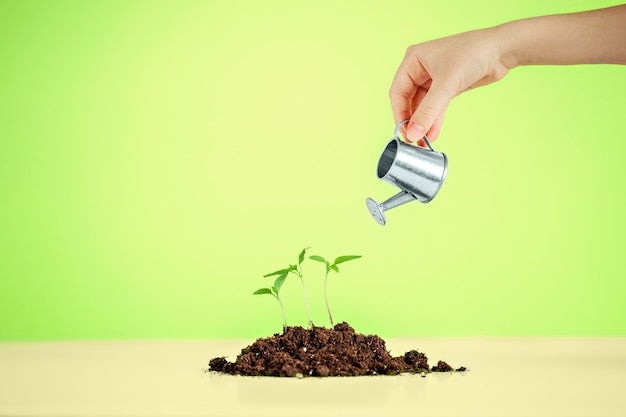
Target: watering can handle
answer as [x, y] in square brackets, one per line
[396, 134]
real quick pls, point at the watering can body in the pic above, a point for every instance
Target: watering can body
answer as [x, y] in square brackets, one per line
[418, 172]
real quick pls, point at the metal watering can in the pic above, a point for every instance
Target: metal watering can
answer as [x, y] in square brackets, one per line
[418, 172]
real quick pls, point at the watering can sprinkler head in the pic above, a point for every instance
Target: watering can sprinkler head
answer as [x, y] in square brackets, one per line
[418, 172]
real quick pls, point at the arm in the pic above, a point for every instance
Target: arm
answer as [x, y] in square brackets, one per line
[593, 37]
[432, 73]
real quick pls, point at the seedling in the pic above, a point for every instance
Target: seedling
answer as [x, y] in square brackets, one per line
[297, 270]
[275, 292]
[333, 267]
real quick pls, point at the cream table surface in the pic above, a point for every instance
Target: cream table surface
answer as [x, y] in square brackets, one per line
[506, 377]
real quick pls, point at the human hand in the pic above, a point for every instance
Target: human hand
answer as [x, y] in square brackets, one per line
[434, 72]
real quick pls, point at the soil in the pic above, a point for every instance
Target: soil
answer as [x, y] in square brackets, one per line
[324, 352]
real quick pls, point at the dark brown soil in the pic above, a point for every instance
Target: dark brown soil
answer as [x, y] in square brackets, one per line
[323, 352]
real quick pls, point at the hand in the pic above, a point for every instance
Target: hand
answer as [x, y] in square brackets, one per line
[432, 73]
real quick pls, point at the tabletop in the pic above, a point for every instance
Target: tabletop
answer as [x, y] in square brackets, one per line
[505, 377]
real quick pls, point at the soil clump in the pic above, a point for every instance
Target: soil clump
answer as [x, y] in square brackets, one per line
[319, 351]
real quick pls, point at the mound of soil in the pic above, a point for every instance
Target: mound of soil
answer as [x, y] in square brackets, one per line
[323, 352]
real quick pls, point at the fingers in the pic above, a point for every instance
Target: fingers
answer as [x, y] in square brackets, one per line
[416, 97]
[401, 95]
[430, 109]
[433, 133]
[410, 76]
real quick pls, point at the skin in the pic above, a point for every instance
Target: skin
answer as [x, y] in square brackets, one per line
[434, 72]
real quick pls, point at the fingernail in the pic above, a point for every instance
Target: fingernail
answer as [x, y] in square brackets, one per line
[415, 132]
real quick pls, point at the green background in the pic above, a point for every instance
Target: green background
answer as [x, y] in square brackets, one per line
[157, 158]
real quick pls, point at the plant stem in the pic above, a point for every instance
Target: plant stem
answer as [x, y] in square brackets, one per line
[282, 308]
[326, 298]
[306, 297]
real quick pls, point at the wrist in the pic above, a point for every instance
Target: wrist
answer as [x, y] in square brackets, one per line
[507, 37]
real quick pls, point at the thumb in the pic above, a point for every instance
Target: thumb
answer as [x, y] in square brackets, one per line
[434, 103]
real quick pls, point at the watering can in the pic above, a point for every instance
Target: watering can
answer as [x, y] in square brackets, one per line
[418, 173]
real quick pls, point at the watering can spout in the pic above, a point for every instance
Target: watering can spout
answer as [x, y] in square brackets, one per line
[377, 210]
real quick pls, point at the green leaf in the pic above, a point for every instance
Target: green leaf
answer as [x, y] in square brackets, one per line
[301, 256]
[280, 271]
[347, 258]
[280, 280]
[263, 291]
[317, 258]
[334, 268]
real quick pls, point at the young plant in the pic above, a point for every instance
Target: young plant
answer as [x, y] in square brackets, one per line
[333, 267]
[275, 292]
[297, 270]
